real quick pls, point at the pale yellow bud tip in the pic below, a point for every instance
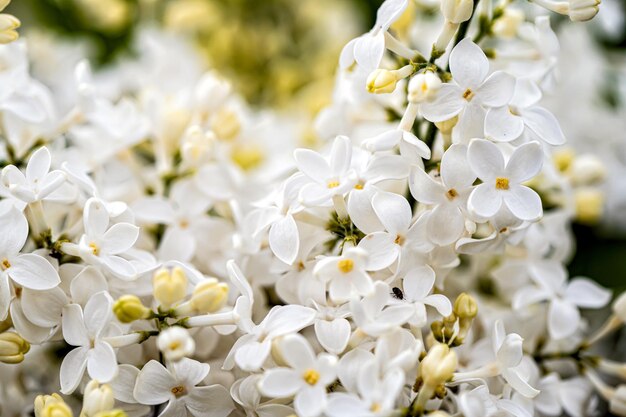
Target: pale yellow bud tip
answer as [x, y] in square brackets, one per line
[13, 347]
[381, 81]
[129, 308]
[209, 296]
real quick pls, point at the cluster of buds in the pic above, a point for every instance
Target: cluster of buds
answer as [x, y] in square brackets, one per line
[453, 329]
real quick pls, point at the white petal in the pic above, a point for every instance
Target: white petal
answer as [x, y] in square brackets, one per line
[96, 217]
[563, 318]
[418, 283]
[189, 371]
[468, 64]
[346, 405]
[369, 50]
[497, 90]
[485, 159]
[445, 224]
[333, 335]
[102, 362]
[340, 155]
[393, 210]
[74, 331]
[529, 296]
[34, 272]
[119, 266]
[381, 250]
[154, 384]
[250, 357]
[124, 383]
[211, 401]
[502, 125]
[50, 183]
[471, 123]
[44, 308]
[544, 124]
[177, 244]
[154, 210]
[310, 401]
[587, 294]
[361, 211]
[525, 162]
[98, 313]
[5, 296]
[424, 188]
[73, 368]
[485, 200]
[523, 202]
[510, 353]
[297, 352]
[38, 165]
[119, 238]
[87, 283]
[281, 382]
[448, 103]
[518, 384]
[14, 229]
[284, 239]
[440, 302]
[346, 58]
[283, 320]
[30, 332]
[455, 169]
[389, 12]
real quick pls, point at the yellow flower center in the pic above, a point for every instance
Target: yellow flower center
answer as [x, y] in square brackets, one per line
[399, 240]
[468, 95]
[311, 376]
[94, 248]
[359, 186]
[502, 183]
[332, 184]
[452, 193]
[345, 265]
[6, 264]
[178, 391]
[375, 407]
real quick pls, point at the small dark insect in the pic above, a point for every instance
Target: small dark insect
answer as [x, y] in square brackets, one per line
[397, 293]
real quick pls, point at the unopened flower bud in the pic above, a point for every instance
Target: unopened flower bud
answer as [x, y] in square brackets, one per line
[423, 87]
[129, 308]
[583, 10]
[457, 11]
[175, 343]
[209, 296]
[587, 169]
[438, 365]
[51, 406]
[12, 347]
[97, 398]
[465, 306]
[507, 25]
[589, 205]
[169, 287]
[563, 158]
[381, 81]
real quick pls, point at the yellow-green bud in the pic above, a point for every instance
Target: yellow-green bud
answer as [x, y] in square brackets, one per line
[129, 308]
[51, 406]
[209, 296]
[465, 306]
[381, 81]
[12, 347]
[169, 287]
[438, 365]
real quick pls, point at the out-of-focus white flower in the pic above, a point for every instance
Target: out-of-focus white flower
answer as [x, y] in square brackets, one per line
[176, 343]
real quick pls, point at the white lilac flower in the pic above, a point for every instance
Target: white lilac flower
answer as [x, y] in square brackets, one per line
[305, 378]
[28, 270]
[449, 197]
[177, 387]
[87, 329]
[565, 298]
[346, 275]
[417, 287]
[471, 94]
[502, 182]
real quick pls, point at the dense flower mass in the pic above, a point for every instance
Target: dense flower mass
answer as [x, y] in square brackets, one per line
[169, 251]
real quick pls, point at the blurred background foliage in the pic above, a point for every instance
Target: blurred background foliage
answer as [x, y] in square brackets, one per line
[283, 54]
